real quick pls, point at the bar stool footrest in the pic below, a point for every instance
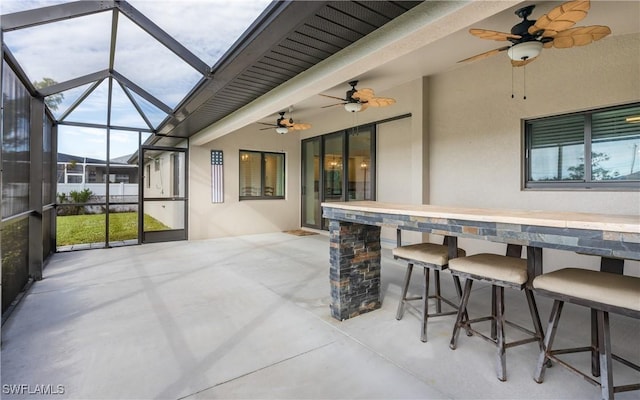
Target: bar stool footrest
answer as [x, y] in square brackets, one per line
[552, 356]
[467, 325]
[419, 309]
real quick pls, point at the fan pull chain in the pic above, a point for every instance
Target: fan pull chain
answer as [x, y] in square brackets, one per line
[512, 68]
[524, 81]
[356, 127]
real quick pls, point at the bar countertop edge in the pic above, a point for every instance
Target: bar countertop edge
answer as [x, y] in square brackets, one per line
[557, 219]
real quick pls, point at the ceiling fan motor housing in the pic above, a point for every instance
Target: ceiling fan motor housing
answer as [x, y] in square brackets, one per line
[522, 29]
[349, 96]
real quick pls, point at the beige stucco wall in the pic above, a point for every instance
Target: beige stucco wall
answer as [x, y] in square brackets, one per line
[402, 156]
[475, 125]
[234, 217]
[461, 146]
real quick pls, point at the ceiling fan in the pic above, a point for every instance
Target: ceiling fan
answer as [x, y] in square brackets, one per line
[283, 125]
[553, 29]
[359, 99]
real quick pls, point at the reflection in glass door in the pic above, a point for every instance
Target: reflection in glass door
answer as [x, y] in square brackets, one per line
[361, 163]
[337, 167]
[333, 168]
[163, 206]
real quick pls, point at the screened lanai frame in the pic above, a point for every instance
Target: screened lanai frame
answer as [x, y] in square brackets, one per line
[120, 16]
[286, 39]
[29, 208]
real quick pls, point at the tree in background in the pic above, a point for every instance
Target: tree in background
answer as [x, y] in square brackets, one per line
[598, 173]
[55, 99]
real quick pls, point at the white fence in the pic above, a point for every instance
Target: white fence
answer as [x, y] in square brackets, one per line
[118, 193]
[100, 189]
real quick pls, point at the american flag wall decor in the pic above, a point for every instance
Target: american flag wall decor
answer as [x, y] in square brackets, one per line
[217, 177]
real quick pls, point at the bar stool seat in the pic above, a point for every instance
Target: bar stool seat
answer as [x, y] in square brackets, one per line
[594, 289]
[510, 271]
[603, 292]
[430, 256]
[500, 271]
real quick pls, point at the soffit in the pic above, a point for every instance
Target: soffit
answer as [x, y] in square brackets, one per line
[299, 37]
[287, 39]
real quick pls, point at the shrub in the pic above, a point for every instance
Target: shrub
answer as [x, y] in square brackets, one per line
[75, 197]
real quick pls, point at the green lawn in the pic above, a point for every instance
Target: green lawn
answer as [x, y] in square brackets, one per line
[90, 228]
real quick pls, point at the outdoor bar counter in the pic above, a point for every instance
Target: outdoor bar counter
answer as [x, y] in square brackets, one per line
[354, 229]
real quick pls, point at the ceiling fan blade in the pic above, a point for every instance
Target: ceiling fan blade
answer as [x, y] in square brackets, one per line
[264, 129]
[300, 127]
[363, 94]
[485, 54]
[332, 97]
[562, 17]
[271, 125]
[381, 102]
[333, 105]
[580, 36]
[522, 63]
[492, 35]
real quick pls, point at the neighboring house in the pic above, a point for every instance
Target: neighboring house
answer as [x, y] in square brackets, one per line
[78, 173]
[75, 169]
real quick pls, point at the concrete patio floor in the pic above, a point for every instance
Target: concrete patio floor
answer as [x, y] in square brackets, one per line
[248, 318]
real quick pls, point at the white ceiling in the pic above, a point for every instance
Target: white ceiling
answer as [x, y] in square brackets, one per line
[430, 39]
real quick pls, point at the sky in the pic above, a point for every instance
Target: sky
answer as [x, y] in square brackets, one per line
[80, 46]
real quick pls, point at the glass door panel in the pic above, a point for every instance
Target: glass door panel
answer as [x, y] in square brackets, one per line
[361, 163]
[333, 182]
[311, 212]
[333, 168]
[164, 201]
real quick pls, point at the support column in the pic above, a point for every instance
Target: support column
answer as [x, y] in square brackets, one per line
[355, 268]
[35, 189]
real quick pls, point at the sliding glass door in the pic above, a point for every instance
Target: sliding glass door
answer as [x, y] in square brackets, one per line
[337, 167]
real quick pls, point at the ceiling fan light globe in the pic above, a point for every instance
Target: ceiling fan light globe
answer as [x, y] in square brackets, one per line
[353, 107]
[525, 50]
[282, 130]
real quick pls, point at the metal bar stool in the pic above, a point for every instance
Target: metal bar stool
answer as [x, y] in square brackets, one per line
[501, 272]
[434, 257]
[602, 292]
[614, 266]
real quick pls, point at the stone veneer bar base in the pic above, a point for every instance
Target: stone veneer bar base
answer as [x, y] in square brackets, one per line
[355, 240]
[355, 268]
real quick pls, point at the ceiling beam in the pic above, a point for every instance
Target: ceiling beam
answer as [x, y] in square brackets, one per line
[73, 83]
[164, 38]
[45, 15]
[80, 99]
[142, 93]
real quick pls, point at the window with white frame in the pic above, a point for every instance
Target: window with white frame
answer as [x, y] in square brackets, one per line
[586, 150]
